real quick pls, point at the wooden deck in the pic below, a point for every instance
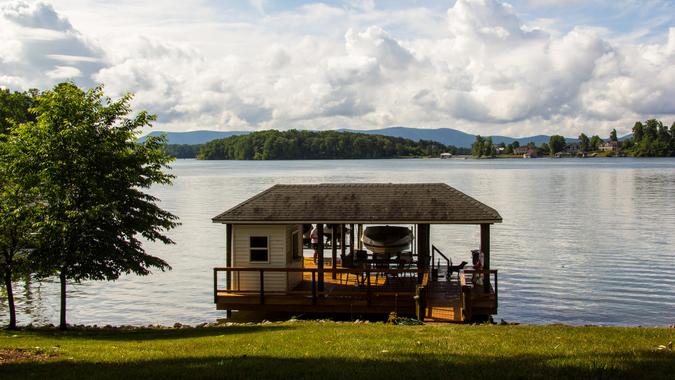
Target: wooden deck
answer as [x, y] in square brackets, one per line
[358, 293]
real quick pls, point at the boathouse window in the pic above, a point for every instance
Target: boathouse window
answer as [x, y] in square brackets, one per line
[259, 248]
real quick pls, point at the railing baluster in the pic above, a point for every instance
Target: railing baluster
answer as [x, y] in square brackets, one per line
[368, 300]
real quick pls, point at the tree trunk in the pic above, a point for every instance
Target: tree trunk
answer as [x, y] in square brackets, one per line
[63, 325]
[10, 299]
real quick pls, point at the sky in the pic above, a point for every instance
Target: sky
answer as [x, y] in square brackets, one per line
[516, 68]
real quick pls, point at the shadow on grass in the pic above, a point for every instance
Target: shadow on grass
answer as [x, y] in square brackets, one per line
[636, 365]
[150, 333]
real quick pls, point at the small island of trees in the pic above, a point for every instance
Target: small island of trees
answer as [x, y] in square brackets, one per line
[299, 145]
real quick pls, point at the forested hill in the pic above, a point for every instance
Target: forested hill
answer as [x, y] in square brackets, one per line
[303, 145]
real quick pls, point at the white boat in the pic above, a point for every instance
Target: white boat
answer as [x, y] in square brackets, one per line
[386, 239]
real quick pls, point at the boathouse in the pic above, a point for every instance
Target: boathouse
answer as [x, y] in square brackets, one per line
[269, 266]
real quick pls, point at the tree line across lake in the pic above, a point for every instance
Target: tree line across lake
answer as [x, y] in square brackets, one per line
[72, 182]
[651, 139]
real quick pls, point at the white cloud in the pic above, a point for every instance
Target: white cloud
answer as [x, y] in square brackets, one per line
[41, 48]
[64, 72]
[259, 5]
[479, 67]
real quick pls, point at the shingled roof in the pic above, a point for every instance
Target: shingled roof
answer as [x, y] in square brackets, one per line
[434, 203]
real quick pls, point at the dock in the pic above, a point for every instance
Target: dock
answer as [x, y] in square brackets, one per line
[266, 268]
[355, 293]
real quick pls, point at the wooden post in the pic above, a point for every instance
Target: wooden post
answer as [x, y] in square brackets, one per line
[320, 258]
[215, 285]
[423, 254]
[343, 246]
[360, 233]
[485, 248]
[333, 249]
[228, 262]
[421, 302]
[351, 239]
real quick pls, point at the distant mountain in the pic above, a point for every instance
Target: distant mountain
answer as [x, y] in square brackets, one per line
[537, 140]
[447, 136]
[450, 136]
[193, 137]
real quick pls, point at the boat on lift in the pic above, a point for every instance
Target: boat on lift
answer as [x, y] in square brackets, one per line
[386, 239]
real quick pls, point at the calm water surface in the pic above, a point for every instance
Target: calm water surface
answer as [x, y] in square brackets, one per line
[583, 241]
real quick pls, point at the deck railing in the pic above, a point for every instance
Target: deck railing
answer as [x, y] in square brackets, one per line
[435, 251]
[365, 284]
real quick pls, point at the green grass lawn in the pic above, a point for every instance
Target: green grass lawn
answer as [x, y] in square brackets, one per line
[315, 350]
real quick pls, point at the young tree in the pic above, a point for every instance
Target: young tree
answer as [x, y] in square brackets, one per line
[545, 148]
[18, 210]
[584, 142]
[92, 173]
[477, 148]
[17, 196]
[488, 148]
[612, 135]
[638, 132]
[651, 129]
[556, 144]
[596, 141]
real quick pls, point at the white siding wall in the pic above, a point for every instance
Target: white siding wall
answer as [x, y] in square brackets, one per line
[277, 256]
[293, 278]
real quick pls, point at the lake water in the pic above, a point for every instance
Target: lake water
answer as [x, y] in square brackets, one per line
[584, 241]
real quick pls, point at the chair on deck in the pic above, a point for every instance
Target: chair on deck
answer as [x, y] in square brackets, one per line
[359, 261]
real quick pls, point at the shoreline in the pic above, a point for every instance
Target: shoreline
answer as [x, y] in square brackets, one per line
[228, 323]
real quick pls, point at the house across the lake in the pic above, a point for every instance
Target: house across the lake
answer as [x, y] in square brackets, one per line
[373, 252]
[609, 146]
[525, 151]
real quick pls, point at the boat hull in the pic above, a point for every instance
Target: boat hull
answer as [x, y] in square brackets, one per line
[386, 239]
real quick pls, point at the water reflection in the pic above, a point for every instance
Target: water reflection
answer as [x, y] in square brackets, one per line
[583, 241]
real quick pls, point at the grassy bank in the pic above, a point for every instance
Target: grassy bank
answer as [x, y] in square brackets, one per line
[304, 350]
